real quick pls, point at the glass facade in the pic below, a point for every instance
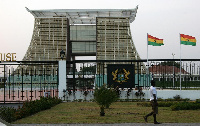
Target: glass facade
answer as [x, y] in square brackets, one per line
[83, 38]
[82, 32]
[83, 47]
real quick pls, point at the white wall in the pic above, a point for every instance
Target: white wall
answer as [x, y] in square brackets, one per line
[191, 94]
[164, 94]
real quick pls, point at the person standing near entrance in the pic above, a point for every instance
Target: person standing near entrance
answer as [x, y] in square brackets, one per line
[154, 104]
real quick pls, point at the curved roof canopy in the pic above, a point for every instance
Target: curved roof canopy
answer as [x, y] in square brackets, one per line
[84, 16]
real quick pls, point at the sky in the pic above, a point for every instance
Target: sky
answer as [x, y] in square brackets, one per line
[164, 19]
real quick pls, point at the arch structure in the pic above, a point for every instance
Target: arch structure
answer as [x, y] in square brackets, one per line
[104, 33]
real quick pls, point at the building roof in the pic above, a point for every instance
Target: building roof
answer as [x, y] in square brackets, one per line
[160, 69]
[84, 16]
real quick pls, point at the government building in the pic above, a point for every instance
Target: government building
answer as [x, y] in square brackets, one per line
[104, 33]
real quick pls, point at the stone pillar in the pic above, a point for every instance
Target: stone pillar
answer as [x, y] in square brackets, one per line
[62, 78]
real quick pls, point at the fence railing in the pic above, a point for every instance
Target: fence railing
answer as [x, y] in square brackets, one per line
[28, 80]
[86, 74]
[24, 80]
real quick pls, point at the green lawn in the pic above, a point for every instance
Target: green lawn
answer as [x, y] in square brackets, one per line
[119, 112]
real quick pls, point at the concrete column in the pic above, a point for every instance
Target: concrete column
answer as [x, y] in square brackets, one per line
[62, 78]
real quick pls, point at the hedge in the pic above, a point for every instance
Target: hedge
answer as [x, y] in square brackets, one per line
[10, 114]
[175, 105]
[160, 104]
[185, 106]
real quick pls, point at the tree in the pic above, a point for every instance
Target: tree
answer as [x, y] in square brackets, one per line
[104, 97]
[91, 69]
[170, 63]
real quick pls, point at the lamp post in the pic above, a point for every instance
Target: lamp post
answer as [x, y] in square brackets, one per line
[173, 69]
[62, 54]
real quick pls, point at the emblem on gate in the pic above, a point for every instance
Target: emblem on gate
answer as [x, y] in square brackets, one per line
[120, 76]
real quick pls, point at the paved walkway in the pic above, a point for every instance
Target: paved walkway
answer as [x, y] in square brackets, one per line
[1, 124]
[4, 123]
[121, 124]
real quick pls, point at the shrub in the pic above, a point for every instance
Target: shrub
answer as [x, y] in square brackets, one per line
[197, 101]
[165, 104]
[175, 105]
[8, 114]
[160, 104]
[104, 97]
[185, 106]
[29, 107]
[175, 98]
[144, 104]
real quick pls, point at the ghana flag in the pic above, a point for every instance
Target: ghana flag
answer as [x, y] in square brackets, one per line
[154, 41]
[188, 40]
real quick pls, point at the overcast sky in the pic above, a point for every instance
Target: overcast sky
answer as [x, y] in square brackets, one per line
[164, 19]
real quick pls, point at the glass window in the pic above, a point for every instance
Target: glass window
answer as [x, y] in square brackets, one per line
[83, 32]
[83, 47]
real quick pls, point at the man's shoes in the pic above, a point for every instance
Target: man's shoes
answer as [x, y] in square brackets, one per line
[157, 122]
[145, 119]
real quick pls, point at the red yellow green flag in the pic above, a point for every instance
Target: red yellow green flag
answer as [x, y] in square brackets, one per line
[154, 41]
[188, 40]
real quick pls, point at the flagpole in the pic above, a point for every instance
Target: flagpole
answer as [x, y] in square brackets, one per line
[147, 53]
[147, 59]
[180, 61]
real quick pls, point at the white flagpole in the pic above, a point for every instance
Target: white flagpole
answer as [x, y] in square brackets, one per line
[180, 61]
[147, 53]
[147, 60]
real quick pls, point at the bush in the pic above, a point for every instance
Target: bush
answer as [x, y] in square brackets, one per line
[104, 97]
[197, 101]
[7, 114]
[166, 104]
[29, 108]
[185, 106]
[144, 104]
[175, 105]
[160, 104]
[32, 107]
[175, 98]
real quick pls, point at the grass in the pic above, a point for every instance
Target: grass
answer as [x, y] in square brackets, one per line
[119, 112]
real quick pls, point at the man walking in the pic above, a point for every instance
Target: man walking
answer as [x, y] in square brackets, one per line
[154, 104]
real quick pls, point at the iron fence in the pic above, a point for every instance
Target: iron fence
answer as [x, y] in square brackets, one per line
[28, 80]
[86, 74]
[24, 80]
